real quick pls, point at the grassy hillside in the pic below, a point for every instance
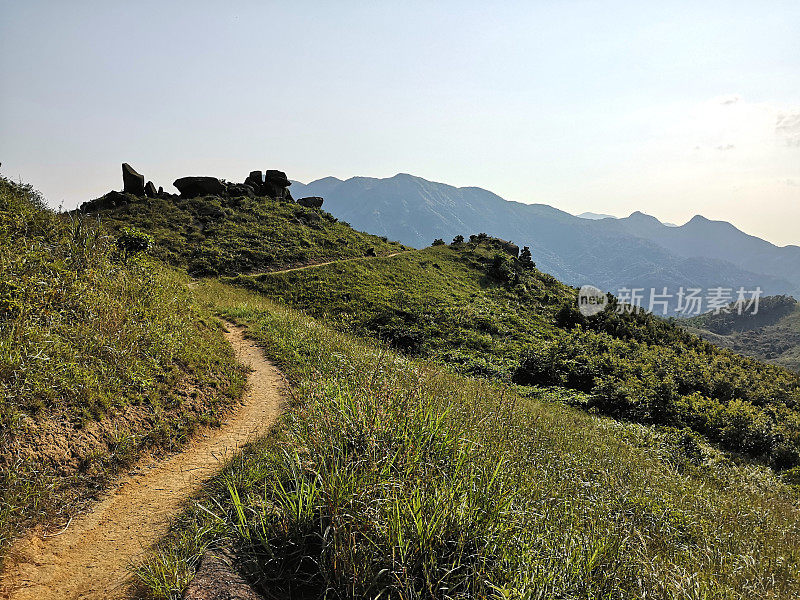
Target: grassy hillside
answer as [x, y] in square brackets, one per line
[391, 477]
[482, 312]
[772, 335]
[213, 235]
[101, 356]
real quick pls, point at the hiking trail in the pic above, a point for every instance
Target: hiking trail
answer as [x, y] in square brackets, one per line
[91, 557]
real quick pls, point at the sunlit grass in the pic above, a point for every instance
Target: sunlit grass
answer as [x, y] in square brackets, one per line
[84, 336]
[392, 478]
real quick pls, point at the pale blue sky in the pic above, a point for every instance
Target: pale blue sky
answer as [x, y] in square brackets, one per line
[673, 108]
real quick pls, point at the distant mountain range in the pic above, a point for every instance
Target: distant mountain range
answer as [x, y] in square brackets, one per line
[638, 251]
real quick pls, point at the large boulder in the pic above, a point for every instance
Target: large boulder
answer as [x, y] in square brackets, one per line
[132, 182]
[277, 177]
[276, 185]
[190, 187]
[150, 190]
[255, 180]
[311, 202]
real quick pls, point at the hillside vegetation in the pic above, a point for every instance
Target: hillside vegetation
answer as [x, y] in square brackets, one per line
[449, 433]
[479, 310]
[771, 335]
[102, 354]
[392, 478]
[212, 235]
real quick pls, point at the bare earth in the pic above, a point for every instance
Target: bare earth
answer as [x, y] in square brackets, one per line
[90, 559]
[322, 264]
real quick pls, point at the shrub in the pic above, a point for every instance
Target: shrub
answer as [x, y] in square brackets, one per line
[131, 242]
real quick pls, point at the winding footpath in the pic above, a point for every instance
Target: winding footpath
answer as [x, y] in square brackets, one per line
[91, 558]
[327, 262]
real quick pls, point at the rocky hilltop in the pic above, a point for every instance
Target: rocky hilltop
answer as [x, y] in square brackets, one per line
[272, 183]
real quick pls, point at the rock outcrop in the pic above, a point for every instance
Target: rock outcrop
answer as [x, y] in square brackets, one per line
[190, 187]
[133, 182]
[311, 202]
[509, 247]
[276, 185]
[273, 183]
[255, 180]
[218, 579]
[241, 189]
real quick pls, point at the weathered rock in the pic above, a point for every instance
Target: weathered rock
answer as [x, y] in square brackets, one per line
[133, 182]
[277, 177]
[311, 202]
[217, 579]
[189, 187]
[160, 191]
[241, 189]
[276, 191]
[255, 180]
[150, 190]
[110, 200]
[276, 185]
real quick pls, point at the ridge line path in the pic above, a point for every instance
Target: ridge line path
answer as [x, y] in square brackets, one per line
[91, 558]
[322, 264]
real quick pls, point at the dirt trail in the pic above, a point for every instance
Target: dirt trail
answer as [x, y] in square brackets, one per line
[322, 264]
[91, 558]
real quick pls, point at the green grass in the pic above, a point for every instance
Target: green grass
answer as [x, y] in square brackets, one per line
[99, 359]
[480, 312]
[391, 477]
[212, 235]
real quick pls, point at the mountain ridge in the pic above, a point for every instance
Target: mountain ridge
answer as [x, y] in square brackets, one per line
[637, 251]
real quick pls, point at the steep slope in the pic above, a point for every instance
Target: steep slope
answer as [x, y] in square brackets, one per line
[772, 335]
[483, 312]
[103, 355]
[638, 252]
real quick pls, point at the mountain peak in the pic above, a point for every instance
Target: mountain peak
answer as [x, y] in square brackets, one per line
[640, 217]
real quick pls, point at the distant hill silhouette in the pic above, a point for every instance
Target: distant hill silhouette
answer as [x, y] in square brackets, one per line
[595, 216]
[637, 251]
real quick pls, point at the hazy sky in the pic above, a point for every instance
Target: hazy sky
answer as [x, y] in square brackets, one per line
[672, 108]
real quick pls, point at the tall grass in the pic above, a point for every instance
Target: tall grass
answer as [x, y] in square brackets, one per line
[85, 335]
[391, 478]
